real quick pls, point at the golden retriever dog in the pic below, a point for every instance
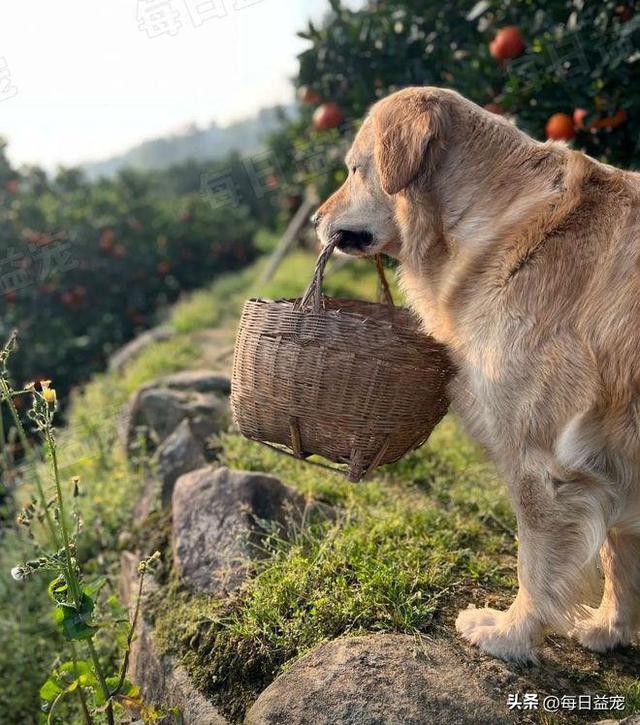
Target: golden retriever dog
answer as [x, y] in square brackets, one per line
[524, 259]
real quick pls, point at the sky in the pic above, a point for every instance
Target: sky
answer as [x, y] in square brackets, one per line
[84, 80]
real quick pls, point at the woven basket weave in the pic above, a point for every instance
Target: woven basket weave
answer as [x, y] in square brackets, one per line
[355, 382]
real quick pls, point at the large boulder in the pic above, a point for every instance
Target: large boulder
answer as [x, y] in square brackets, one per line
[155, 412]
[162, 681]
[220, 517]
[376, 679]
[178, 454]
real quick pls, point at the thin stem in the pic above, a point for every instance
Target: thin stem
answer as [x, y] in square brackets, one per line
[103, 683]
[54, 704]
[132, 630]
[83, 700]
[5, 451]
[72, 579]
[29, 454]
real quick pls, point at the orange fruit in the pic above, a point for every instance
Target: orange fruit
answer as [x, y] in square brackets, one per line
[328, 115]
[560, 127]
[507, 44]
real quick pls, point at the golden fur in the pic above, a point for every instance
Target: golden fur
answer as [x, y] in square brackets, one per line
[524, 258]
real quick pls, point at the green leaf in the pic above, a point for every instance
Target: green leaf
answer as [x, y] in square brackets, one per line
[57, 589]
[128, 688]
[99, 698]
[73, 623]
[118, 611]
[77, 668]
[50, 690]
[93, 589]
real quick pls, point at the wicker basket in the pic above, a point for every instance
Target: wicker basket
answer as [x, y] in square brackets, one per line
[355, 382]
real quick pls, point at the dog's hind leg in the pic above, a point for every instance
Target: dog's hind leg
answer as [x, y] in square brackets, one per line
[561, 527]
[614, 621]
[582, 447]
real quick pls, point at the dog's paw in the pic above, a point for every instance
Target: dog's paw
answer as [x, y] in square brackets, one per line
[492, 632]
[600, 633]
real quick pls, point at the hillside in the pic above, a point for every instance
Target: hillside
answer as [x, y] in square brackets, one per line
[212, 143]
[397, 555]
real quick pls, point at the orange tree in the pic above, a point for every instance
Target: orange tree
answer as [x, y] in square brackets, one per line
[84, 265]
[530, 60]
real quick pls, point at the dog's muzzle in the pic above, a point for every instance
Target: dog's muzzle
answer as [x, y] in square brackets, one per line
[350, 241]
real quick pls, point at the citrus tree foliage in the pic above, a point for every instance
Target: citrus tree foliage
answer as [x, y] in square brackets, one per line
[577, 55]
[86, 266]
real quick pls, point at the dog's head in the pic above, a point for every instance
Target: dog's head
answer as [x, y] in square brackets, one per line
[396, 147]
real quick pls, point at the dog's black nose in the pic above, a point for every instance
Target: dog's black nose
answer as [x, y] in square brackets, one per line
[348, 239]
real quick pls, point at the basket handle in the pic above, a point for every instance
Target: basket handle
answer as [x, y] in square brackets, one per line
[313, 295]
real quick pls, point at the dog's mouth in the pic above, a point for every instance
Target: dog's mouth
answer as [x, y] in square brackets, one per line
[352, 242]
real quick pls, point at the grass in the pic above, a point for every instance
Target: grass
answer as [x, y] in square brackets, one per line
[401, 551]
[396, 548]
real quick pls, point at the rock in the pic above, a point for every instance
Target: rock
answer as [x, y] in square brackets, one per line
[200, 381]
[158, 411]
[178, 454]
[375, 679]
[219, 516]
[633, 720]
[122, 357]
[161, 679]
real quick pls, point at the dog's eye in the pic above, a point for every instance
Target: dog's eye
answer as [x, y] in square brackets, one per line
[354, 169]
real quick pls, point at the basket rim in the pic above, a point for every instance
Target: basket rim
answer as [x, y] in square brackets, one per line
[292, 300]
[399, 321]
[392, 312]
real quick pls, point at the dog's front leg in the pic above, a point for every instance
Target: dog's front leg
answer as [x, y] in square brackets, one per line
[560, 530]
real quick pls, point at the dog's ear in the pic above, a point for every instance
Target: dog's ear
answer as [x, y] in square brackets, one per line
[407, 125]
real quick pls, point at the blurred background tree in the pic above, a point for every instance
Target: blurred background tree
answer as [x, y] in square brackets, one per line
[565, 69]
[86, 265]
